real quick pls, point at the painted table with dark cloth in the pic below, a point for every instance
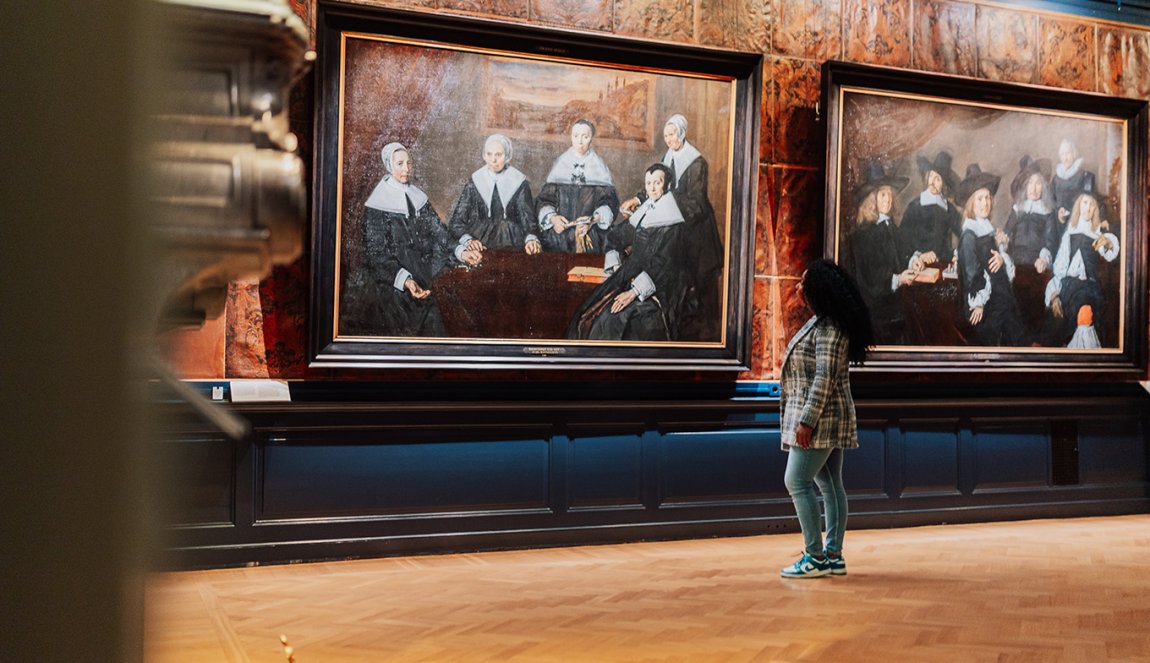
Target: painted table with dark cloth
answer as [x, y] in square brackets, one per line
[935, 316]
[513, 295]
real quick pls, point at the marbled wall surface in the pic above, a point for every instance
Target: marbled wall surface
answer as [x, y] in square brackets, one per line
[264, 333]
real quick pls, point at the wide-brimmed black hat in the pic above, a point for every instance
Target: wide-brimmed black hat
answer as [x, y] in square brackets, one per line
[975, 179]
[1026, 168]
[943, 165]
[874, 178]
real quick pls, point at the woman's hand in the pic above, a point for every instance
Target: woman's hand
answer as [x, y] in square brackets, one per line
[928, 258]
[1103, 243]
[472, 258]
[803, 435]
[629, 205]
[533, 247]
[559, 223]
[976, 315]
[1056, 306]
[416, 291]
[475, 245]
[623, 300]
[1040, 265]
[906, 277]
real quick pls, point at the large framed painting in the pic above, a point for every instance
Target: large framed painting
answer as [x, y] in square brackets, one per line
[990, 226]
[493, 195]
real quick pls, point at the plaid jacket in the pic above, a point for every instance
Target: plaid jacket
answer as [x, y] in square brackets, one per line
[816, 387]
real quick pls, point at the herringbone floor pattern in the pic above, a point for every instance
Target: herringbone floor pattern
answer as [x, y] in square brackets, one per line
[1051, 590]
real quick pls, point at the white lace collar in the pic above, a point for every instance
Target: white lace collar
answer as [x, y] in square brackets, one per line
[509, 180]
[657, 213]
[981, 227]
[391, 196]
[1066, 173]
[927, 198]
[683, 157]
[571, 167]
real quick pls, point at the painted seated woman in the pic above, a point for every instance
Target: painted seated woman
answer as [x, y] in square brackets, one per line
[578, 202]
[704, 254]
[496, 209]
[644, 295]
[1075, 285]
[406, 246]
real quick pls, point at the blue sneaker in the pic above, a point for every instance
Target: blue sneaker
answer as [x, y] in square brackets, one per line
[838, 565]
[807, 567]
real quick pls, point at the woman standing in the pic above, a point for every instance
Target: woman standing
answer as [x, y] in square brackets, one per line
[818, 412]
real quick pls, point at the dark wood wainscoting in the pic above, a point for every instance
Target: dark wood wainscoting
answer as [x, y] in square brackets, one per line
[392, 471]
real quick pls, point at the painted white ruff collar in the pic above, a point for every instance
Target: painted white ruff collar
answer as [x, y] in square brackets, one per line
[684, 156]
[1066, 173]
[657, 213]
[1029, 206]
[388, 196]
[509, 180]
[927, 198]
[570, 165]
[981, 227]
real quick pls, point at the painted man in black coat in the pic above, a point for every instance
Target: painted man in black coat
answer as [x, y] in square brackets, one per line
[874, 254]
[931, 222]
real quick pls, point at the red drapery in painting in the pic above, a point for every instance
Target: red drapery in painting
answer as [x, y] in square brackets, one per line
[892, 130]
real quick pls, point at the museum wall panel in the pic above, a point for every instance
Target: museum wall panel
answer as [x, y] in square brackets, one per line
[266, 322]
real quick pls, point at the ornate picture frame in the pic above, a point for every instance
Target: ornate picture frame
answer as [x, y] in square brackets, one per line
[992, 227]
[508, 263]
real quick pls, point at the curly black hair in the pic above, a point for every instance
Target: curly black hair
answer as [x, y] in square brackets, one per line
[831, 292]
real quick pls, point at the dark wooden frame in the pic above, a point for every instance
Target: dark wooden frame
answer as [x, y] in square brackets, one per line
[1129, 361]
[741, 70]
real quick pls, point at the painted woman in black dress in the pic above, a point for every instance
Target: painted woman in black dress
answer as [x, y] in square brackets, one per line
[496, 209]
[985, 268]
[578, 202]
[702, 319]
[406, 246]
[642, 299]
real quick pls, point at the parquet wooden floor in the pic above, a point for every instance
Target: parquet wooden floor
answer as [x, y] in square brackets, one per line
[1050, 590]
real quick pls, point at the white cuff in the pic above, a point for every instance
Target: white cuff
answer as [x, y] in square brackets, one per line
[893, 282]
[643, 286]
[611, 261]
[545, 214]
[459, 249]
[1112, 253]
[530, 238]
[400, 278]
[605, 217]
[982, 296]
[466, 238]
